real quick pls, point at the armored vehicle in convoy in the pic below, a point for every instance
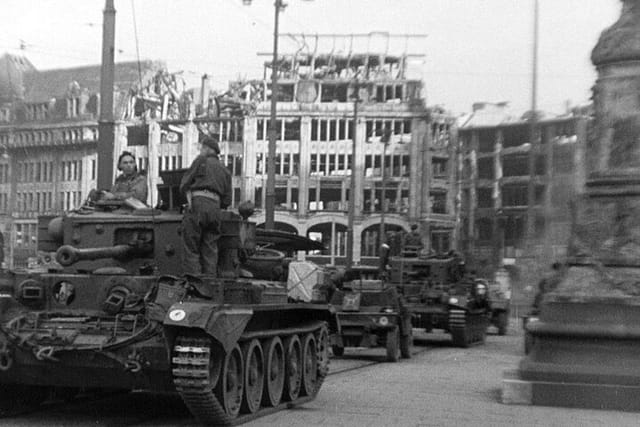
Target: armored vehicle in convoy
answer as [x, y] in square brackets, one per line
[370, 313]
[440, 294]
[118, 313]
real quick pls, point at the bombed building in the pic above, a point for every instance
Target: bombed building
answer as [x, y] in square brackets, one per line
[517, 181]
[403, 169]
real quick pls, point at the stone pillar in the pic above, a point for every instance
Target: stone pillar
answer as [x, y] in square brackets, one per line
[496, 196]
[472, 157]
[415, 168]
[586, 338]
[247, 192]
[153, 173]
[305, 165]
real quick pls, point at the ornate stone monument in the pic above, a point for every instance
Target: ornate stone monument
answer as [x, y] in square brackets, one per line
[586, 350]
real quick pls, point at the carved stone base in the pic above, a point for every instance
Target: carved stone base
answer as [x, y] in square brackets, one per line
[516, 391]
[585, 354]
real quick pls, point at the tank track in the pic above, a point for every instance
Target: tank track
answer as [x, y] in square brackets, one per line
[191, 359]
[467, 328]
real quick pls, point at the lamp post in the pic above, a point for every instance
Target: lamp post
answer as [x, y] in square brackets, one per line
[352, 180]
[270, 199]
[386, 137]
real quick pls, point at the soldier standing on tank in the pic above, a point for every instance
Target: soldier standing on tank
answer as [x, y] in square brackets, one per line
[130, 183]
[207, 186]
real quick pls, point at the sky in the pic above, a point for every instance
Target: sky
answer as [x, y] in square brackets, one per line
[474, 50]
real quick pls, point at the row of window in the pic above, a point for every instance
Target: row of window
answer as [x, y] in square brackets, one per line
[341, 91]
[50, 136]
[516, 135]
[332, 196]
[41, 201]
[339, 164]
[69, 170]
[26, 235]
[511, 196]
[333, 129]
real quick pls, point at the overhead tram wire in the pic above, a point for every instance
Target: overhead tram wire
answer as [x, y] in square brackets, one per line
[135, 33]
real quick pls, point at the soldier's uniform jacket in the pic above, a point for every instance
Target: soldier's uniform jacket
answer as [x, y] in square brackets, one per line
[134, 185]
[208, 174]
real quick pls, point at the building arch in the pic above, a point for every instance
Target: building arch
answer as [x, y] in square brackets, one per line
[370, 237]
[282, 226]
[324, 218]
[283, 219]
[388, 219]
[333, 235]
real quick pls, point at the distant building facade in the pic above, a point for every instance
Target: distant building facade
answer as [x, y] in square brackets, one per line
[49, 138]
[515, 194]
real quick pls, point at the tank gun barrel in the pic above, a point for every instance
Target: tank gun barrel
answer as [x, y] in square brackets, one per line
[68, 255]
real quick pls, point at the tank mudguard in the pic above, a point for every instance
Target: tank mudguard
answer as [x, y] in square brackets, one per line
[225, 325]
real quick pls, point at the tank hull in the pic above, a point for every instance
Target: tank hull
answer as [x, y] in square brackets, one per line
[128, 332]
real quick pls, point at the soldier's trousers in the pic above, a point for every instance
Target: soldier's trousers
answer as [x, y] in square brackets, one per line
[200, 234]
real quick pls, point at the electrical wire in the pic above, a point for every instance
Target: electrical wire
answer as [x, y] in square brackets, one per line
[135, 33]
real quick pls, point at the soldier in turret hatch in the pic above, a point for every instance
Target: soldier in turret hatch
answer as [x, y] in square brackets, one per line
[130, 183]
[207, 186]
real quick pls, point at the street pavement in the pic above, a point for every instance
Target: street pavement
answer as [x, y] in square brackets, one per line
[438, 386]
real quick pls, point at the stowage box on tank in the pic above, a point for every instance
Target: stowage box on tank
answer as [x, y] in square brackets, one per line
[118, 312]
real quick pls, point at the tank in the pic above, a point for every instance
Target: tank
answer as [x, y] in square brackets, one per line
[370, 313]
[440, 294]
[117, 312]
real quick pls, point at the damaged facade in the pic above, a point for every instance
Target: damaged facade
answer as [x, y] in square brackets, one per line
[400, 145]
[513, 215]
[49, 142]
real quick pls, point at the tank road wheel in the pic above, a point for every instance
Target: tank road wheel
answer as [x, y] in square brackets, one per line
[406, 342]
[309, 365]
[322, 342]
[293, 368]
[393, 345]
[230, 386]
[502, 323]
[337, 350]
[253, 376]
[274, 372]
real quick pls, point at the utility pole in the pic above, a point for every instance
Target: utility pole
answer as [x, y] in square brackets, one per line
[106, 133]
[533, 141]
